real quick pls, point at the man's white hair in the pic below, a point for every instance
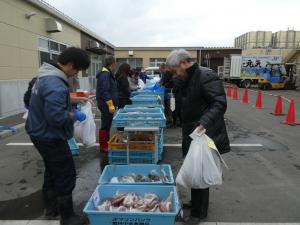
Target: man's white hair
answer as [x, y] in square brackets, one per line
[176, 56]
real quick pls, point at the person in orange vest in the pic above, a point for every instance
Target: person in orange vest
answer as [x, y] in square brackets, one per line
[107, 101]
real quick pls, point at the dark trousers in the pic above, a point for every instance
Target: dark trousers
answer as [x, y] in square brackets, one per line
[199, 197]
[177, 113]
[60, 172]
[168, 112]
[106, 120]
[104, 133]
[200, 202]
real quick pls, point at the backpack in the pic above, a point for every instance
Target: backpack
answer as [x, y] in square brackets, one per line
[27, 94]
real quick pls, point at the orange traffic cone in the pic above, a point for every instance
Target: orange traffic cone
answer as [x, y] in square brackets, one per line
[235, 93]
[245, 99]
[278, 108]
[291, 116]
[258, 104]
[229, 90]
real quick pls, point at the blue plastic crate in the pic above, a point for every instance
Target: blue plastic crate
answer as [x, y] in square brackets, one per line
[149, 86]
[139, 120]
[111, 171]
[148, 93]
[73, 146]
[161, 145]
[141, 106]
[135, 157]
[140, 110]
[8, 127]
[123, 218]
[150, 100]
[153, 86]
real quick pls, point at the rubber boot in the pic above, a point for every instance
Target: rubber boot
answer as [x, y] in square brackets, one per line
[50, 201]
[104, 160]
[103, 140]
[204, 203]
[66, 211]
[200, 201]
[192, 220]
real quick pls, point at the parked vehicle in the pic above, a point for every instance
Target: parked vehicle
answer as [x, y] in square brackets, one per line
[268, 72]
[152, 71]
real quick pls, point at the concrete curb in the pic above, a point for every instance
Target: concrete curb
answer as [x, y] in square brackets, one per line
[8, 133]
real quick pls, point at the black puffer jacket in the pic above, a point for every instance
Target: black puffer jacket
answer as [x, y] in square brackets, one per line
[123, 90]
[204, 102]
[177, 86]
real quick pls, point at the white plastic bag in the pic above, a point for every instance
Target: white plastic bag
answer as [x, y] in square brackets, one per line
[141, 84]
[85, 131]
[202, 165]
[172, 102]
[25, 116]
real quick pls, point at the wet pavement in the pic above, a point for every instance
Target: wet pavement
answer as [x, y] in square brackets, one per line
[12, 120]
[261, 184]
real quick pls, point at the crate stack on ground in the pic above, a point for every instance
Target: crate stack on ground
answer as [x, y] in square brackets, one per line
[143, 124]
[113, 181]
[143, 130]
[151, 97]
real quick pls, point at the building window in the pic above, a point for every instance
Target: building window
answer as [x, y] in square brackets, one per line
[62, 47]
[49, 50]
[121, 61]
[54, 57]
[43, 44]
[95, 67]
[54, 46]
[44, 57]
[133, 62]
[155, 62]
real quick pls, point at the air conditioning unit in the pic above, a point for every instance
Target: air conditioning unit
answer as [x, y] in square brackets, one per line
[94, 44]
[53, 26]
[130, 53]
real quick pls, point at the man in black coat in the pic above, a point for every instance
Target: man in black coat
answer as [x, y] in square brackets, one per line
[203, 107]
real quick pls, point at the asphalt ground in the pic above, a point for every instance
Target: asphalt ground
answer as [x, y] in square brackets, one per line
[261, 184]
[12, 120]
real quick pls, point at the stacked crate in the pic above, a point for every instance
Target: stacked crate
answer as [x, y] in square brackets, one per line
[106, 189]
[146, 120]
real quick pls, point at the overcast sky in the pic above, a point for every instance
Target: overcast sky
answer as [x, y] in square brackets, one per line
[207, 23]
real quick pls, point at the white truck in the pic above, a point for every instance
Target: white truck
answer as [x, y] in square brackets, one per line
[246, 70]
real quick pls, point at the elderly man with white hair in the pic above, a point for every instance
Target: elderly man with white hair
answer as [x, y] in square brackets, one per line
[203, 106]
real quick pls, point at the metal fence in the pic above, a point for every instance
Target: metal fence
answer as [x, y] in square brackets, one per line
[11, 97]
[12, 92]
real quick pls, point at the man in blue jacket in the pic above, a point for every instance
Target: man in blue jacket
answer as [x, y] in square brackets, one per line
[50, 125]
[107, 100]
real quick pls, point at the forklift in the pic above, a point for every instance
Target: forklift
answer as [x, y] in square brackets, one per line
[278, 76]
